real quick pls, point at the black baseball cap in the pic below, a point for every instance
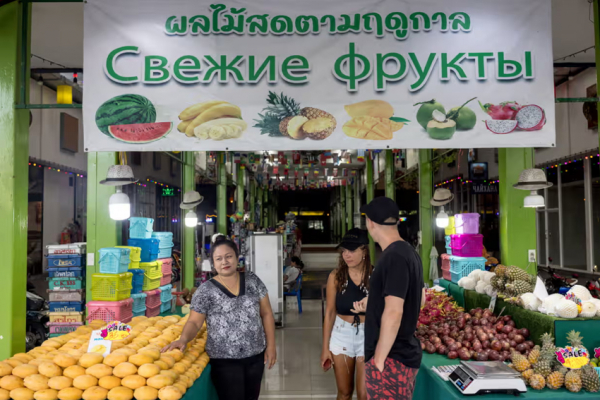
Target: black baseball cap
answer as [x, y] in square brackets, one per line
[353, 239]
[381, 209]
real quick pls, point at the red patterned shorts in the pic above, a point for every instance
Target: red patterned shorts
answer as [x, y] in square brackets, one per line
[396, 382]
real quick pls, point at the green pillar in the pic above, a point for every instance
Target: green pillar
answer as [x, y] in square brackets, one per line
[425, 209]
[189, 234]
[102, 231]
[252, 193]
[390, 175]
[14, 156]
[349, 210]
[370, 196]
[240, 189]
[343, 210]
[222, 195]
[517, 223]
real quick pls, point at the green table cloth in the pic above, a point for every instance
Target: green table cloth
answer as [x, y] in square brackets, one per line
[430, 386]
[203, 388]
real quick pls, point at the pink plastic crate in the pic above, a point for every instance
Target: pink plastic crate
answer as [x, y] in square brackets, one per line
[109, 311]
[467, 245]
[165, 280]
[466, 223]
[153, 299]
[167, 266]
[446, 267]
[153, 311]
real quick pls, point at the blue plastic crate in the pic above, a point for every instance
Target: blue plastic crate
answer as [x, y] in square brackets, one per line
[114, 260]
[140, 314]
[149, 248]
[165, 306]
[71, 272]
[65, 306]
[449, 251]
[74, 260]
[165, 252]
[137, 282]
[461, 267]
[139, 288]
[165, 238]
[139, 302]
[140, 228]
[165, 293]
[64, 283]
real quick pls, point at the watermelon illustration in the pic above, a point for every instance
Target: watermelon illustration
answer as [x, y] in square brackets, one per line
[123, 110]
[140, 133]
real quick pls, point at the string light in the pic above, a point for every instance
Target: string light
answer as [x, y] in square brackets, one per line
[49, 168]
[158, 184]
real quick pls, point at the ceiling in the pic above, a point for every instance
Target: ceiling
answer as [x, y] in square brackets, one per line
[57, 33]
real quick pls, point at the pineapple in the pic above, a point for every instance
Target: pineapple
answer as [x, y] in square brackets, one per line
[500, 270]
[537, 382]
[534, 355]
[575, 340]
[324, 130]
[573, 381]
[319, 128]
[544, 365]
[527, 374]
[590, 379]
[280, 107]
[555, 380]
[548, 343]
[519, 287]
[292, 127]
[516, 274]
[520, 362]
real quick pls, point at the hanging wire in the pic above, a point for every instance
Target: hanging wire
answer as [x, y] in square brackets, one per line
[574, 54]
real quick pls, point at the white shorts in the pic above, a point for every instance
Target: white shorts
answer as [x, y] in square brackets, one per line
[346, 339]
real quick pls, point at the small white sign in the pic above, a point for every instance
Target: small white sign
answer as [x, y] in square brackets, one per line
[540, 289]
[98, 344]
[493, 303]
[206, 267]
[90, 259]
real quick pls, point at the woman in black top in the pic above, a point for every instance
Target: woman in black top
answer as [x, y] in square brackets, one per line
[240, 324]
[343, 329]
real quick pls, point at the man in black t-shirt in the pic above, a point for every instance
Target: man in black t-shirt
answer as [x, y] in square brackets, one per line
[392, 352]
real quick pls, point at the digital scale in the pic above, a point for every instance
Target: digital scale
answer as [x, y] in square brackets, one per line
[484, 377]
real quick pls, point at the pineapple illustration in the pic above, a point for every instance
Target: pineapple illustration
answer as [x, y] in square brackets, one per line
[590, 379]
[573, 381]
[325, 126]
[537, 382]
[520, 362]
[279, 108]
[527, 374]
[534, 355]
[555, 380]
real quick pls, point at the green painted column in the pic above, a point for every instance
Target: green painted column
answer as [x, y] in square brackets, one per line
[517, 223]
[252, 193]
[240, 189]
[221, 194]
[370, 196]
[390, 175]
[102, 231]
[349, 209]
[189, 234]
[425, 210]
[343, 209]
[14, 156]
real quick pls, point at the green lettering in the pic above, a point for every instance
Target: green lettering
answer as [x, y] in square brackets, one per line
[381, 76]
[223, 69]
[186, 68]
[256, 74]
[422, 73]
[508, 69]
[294, 68]
[481, 60]
[352, 68]
[109, 67]
[453, 66]
[156, 70]
[529, 73]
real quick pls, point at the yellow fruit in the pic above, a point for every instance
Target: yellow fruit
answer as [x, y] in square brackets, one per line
[60, 382]
[170, 373]
[36, 382]
[11, 382]
[148, 370]
[49, 369]
[4, 394]
[133, 381]
[112, 360]
[65, 360]
[186, 362]
[371, 108]
[23, 371]
[155, 354]
[196, 109]
[70, 394]
[47, 394]
[169, 393]
[99, 348]
[5, 369]
[186, 380]
[170, 361]
[159, 381]
[163, 365]
[369, 128]
[23, 357]
[140, 359]
[124, 369]
[21, 394]
[74, 371]
[85, 382]
[95, 393]
[176, 354]
[180, 368]
[90, 359]
[181, 386]
[120, 393]
[109, 382]
[14, 363]
[99, 370]
[146, 393]
[212, 113]
[125, 350]
[51, 343]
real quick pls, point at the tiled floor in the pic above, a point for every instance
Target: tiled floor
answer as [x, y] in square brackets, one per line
[298, 374]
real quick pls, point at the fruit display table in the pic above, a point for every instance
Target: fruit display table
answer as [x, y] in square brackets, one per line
[536, 322]
[431, 387]
[203, 388]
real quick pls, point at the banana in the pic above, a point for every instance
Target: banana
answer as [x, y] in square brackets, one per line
[212, 113]
[222, 128]
[195, 110]
[183, 126]
[217, 133]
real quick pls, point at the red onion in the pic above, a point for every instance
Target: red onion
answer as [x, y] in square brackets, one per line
[530, 344]
[512, 343]
[442, 350]
[511, 335]
[496, 345]
[452, 355]
[507, 329]
[519, 339]
[524, 332]
[510, 323]
[521, 348]
[494, 355]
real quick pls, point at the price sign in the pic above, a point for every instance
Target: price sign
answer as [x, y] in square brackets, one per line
[573, 357]
[116, 331]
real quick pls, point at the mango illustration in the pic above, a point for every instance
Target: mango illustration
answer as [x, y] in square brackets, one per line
[370, 108]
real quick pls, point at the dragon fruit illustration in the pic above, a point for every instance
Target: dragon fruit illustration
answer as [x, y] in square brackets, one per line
[504, 110]
[531, 118]
[501, 126]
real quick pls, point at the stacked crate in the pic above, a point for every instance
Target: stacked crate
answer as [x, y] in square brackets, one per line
[66, 287]
[466, 246]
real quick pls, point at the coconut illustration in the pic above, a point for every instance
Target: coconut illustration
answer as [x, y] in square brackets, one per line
[425, 111]
[466, 118]
[441, 127]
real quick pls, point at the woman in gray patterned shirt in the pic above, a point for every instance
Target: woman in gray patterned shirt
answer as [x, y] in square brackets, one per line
[240, 324]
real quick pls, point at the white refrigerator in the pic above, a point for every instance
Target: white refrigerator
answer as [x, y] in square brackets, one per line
[266, 261]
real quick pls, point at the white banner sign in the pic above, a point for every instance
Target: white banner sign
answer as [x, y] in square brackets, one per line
[314, 74]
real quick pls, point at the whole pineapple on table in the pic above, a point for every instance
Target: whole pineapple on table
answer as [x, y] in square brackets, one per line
[546, 357]
[527, 374]
[590, 379]
[520, 362]
[573, 381]
[537, 382]
[555, 380]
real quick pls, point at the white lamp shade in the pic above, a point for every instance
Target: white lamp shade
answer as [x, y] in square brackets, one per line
[119, 206]
[442, 220]
[534, 200]
[191, 219]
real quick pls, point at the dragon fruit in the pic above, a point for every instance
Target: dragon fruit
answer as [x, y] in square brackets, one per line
[531, 118]
[504, 110]
[501, 126]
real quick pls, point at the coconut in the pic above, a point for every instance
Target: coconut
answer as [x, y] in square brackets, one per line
[531, 118]
[566, 309]
[441, 130]
[501, 126]
[425, 111]
[466, 118]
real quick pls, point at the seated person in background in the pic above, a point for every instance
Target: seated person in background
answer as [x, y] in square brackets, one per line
[290, 273]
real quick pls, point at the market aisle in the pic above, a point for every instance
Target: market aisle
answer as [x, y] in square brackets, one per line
[297, 374]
